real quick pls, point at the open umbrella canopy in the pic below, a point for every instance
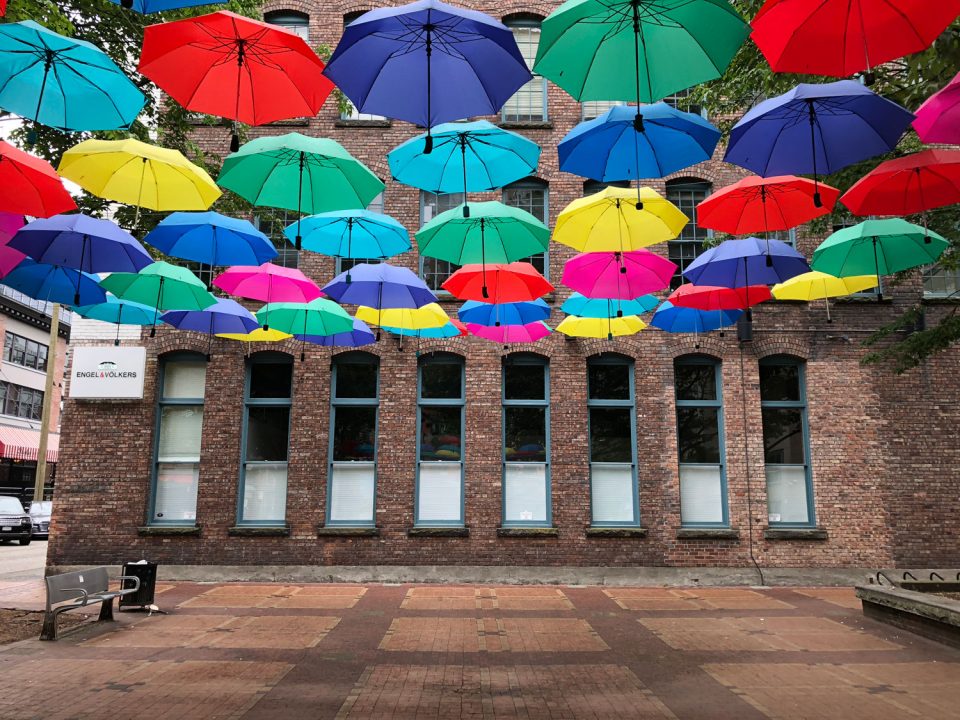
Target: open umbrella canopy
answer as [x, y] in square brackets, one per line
[30, 185]
[358, 336]
[351, 234]
[938, 119]
[816, 285]
[708, 297]
[258, 335]
[507, 334]
[453, 328]
[135, 173]
[609, 328]
[54, 283]
[578, 304]
[517, 313]
[117, 311]
[63, 82]
[907, 185]
[211, 238]
[513, 282]
[610, 147]
[761, 205]
[750, 261]
[614, 219]
[160, 285]
[147, 7]
[840, 37]
[268, 283]
[226, 316]
[380, 285]
[688, 320]
[9, 259]
[616, 275]
[422, 318]
[427, 63]
[317, 317]
[9, 224]
[881, 247]
[466, 157]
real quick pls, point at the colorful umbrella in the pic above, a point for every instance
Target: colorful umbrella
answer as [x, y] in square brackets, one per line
[228, 65]
[609, 327]
[9, 224]
[301, 173]
[816, 285]
[611, 147]
[453, 328]
[517, 313]
[379, 285]
[9, 259]
[938, 119]
[816, 129]
[63, 82]
[583, 306]
[747, 262]
[686, 320]
[841, 38]
[427, 63]
[675, 45]
[358, 336]
[135, 173]
[762, 205]
[351, 234]
[211, 238]
[711, 297]
[225, 316]
[618, 219]
[515, 282]
[467, 156]
[258, 335]
[30, 185]
[422, 318]
[268, 283]
[317, 317]
[616, 275]
[3, 7]
[531, 332]
[148, 7]
[118, 312]
[54, 283]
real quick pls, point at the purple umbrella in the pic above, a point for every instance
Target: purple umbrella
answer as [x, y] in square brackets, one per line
[816, 129]
[379, 285]
[360, 335]
[226, 316]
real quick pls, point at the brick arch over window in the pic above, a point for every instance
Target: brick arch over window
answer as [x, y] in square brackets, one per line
[180, 342]
[610, 355]
[522, 17]
[703, 345]
[768, 347]
[460, 354]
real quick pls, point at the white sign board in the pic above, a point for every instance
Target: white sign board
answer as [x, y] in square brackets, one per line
[107, 372]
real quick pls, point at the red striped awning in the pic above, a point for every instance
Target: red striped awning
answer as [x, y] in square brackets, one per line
[23, 444]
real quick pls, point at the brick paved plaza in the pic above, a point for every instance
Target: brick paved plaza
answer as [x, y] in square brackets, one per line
[372, 651]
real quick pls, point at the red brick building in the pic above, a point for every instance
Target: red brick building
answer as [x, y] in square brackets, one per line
[617, 458]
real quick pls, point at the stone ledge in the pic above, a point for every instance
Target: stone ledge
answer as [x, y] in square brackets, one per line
[169, 531]
[616, 532]
[348, 531]
[527, 532]
[525, 125]
[708, 534]
[258, 531]
[438, 532]
[795, 534]
[345, 123]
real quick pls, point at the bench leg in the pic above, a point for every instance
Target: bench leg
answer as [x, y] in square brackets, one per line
[106, 611]
[49, 631]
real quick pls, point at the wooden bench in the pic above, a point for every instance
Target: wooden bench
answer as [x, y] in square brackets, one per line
[83, 588]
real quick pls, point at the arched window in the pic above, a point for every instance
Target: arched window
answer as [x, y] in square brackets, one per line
[176, 466]
[532, 195]
[592, 187]
[686, 195]
[526, 441]
[529, 103]
[296, 22]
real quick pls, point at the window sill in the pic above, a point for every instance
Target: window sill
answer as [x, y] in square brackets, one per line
[259, 531]
[616, 532]
[527, 532]
[169, 531]
[798, 533]
[347, 123]
[327, 531]
[294, 122]
[708, 534]
[940, 300]
[438, 532]
[525, 124]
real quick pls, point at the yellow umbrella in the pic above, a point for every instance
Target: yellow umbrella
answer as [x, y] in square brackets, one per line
[424, 318]
[815, 285]
[614, 220]
[135, 173]
[576, 326]
[258, 335]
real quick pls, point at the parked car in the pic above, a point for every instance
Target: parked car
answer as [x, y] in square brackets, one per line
[15, 523]
[40, 517]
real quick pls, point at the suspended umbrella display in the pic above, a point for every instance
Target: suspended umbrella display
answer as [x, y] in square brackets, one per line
[54, 283]
[816, 285]
[148, 7]
[609, 327]
[513, 282]
[226, 316]
[453, 328]
[516, 313]
[508, 334]
[763, 205]
[317, 317]
[427, 63]
[618, 220]
[9, 259]
[938, 119]
[351, 234]
[615, 275]
[9, 224]
[379, 286]
[816, 129]
[268, 283]
[211, 239]
[118, 312]
[360, 335]
[235, 67]
[582, 306]
[258, 335]
[710, 297]
[466, 157]
[671, 318]
[63, 82]
[30, 185]
[301, 173]
[427, 317]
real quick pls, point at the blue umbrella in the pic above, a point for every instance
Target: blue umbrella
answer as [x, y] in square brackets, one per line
[360, 335]
[444, 331]
[211, 238]
[119, 312]
[675, 319]
[380, 286]
[62, 82]
[494, 314]
[351, 234]
[54, 283]
[816, 129]
[610, 147]
[582, 306]
[225, 316]
[428, 63]
[148, 7]
[467, 157]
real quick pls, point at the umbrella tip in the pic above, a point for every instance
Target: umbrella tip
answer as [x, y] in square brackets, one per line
[817, 200]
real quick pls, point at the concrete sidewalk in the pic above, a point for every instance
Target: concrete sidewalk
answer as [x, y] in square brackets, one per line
[264, 651]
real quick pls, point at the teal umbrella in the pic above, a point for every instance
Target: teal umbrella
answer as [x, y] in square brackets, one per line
[351, 234]
[320, 317]
[583, 306]
[119, 312]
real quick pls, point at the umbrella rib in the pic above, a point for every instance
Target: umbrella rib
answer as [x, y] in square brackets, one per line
[91, 84]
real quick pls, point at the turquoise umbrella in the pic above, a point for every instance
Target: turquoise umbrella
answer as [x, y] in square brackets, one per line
[351, 234]
[583, 306]
[119, 312]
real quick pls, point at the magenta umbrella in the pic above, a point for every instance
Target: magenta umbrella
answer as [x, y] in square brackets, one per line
[615, 275]
[938, 119]
[269, 283]
[9, 259]
[9, 224]
[531, 332]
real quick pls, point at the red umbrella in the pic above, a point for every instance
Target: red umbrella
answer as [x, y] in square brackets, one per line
[842, 37]
[938, 119]
[3, 7]
[228, 65]
[30, 186]
[759, 205]
[499, 283]
[708, 297]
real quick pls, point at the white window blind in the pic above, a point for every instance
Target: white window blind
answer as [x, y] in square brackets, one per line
[180, 430]
[525, 492]
[265, 492]
[701, 497]
[184, 379]
[176, 497]
[438, 498]
[787, 494]
[351, 492]
[611, 488]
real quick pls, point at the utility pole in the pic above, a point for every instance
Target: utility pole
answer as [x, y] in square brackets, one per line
[47, 403]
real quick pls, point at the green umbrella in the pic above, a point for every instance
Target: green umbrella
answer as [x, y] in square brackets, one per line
[301, 173]
[317, 317]
[675, 44]
[162, 286]
[878, 247]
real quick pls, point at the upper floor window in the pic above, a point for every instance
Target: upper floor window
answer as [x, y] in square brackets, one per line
[592, 109]
[592, 187]
[686, 195]
[271, 223]
[344, 264]
[441, 406]
[681, 101]
[526, 441]
[529, 103]
[533, 196]
[351, 113]
[941, 282]
[296, 22]
[24, 351]
[21, 401]
[435, 272]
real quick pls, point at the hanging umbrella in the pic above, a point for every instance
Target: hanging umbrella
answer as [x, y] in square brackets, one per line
[585, 45]
[762, 205]
[816, 129]
[816, 285]
[148, 7]
[492, 232]
[225, 316]
[54, 283]
[841, 38]
[62, 82]
[609, 327]
[268, 283]
[688, 320]
[3, 7]
[618, 219]
[301, 173]
[711, 297]
[135, 173]
[616, 275]
[583, 306]
[610, 147]
[514, 282]
[258, 335]
[358, 336]
[235, 67]
[379, 285]
[427, 63]
[453, 328]
[9, 224]
[351, 234]
[517, 313]
[938, 119]
[426, 317]
[30, 185]
[9, 259]
[212, 239]
[118, 312]
[531, 332]
[317, 317]
[466, 157]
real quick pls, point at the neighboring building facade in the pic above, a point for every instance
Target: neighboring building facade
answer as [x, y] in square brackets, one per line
[651, 451]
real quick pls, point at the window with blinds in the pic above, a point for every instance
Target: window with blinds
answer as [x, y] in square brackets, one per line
[686, 195]
[526, 441]
[532, 195]
[441, 404]
[529, 103]
[435, 272]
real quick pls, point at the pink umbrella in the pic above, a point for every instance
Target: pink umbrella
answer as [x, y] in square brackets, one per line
[269, 283]
[615, 275]
[9, 224]
[9, 259]
[938, 119]
[531, 332]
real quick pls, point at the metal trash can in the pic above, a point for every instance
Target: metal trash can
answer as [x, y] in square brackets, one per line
[147, 574]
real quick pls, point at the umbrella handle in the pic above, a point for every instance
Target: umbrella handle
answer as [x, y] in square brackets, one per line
[817, 200]
[299, 202]
[463, 156]
[47, 63]
[428, 144]
[153, 328]
[483, 259]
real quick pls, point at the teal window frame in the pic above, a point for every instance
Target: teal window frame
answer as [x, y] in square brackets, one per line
[535, 184]
[684, 242]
